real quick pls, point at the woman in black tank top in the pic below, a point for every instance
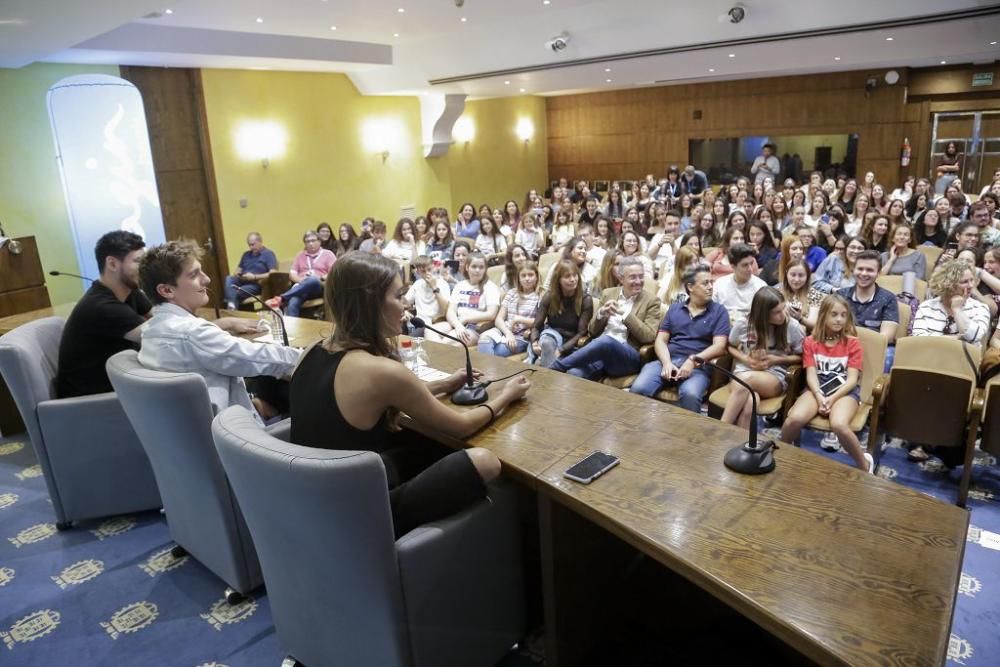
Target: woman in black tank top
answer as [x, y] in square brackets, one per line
[348, 391]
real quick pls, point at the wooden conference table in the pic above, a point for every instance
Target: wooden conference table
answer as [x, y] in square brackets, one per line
[842, 567]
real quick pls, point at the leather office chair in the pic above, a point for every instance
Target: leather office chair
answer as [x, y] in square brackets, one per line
[931, 397]
[172, 414]
[341, 589]
[90, 457]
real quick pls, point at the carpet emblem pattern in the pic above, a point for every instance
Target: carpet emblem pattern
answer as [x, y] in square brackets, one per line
[162, 561]
[115, 526]
[79, 572]
[131, 618]
[31, 627]
[222, 613]
[33, 534]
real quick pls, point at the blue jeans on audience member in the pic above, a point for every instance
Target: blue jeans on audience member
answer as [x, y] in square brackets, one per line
[890, 356]
[500, 349]
[692, 390]
[602, 356]
[310, 288]
[551, 333]
[230, 295]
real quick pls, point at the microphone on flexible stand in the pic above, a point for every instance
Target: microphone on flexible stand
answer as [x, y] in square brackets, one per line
[752, 458]
[71, 275]
[274, 311]
[473, 393]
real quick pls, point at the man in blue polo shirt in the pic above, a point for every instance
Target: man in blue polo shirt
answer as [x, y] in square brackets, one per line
[873, 307]
[255, 265]
[691, 333]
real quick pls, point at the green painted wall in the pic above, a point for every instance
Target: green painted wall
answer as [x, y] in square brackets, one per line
[31, 194]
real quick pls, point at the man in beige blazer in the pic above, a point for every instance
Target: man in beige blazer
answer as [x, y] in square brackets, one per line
[625, 320]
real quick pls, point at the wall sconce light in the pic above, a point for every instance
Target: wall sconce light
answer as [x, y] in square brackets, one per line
[385, 155]
[464, 130]
[382, 135]
[260, 140]
[525, 129]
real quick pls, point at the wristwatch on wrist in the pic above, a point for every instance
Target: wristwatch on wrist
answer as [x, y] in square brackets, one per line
[697, 360]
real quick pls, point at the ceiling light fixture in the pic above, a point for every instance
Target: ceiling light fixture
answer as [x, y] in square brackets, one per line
[732, 55]
[400, 10]
[395, 34]
[546, 2]
[333, 27]
[463, 19]
[711, 69]
[607, 80]
[607, 69]
[993, 43]
[836, 57]
[522, 90]
[506, 83]
[260, 20]
[168, 11]
[888, 39]
[944, 62]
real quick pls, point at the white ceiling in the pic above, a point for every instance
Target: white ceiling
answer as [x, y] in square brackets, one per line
[498, 35]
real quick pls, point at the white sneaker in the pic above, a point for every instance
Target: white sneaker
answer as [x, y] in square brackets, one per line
[871, 463]
[830, 442]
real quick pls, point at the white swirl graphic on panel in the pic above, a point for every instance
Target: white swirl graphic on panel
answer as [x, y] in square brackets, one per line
[126, 188]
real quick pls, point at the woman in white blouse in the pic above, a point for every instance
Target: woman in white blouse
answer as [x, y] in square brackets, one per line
[404, 245]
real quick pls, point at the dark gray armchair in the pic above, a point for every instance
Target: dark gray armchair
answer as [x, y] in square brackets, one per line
[342, 590]
[172, 414]
[91, 458]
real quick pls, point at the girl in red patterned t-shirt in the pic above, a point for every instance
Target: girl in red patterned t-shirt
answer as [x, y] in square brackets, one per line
[832, 359]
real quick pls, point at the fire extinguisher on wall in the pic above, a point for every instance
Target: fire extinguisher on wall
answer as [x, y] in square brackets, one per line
[905, 152]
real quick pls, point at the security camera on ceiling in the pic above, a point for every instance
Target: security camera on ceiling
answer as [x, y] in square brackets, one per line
[558, 43]
[737, 13]
[459, 3]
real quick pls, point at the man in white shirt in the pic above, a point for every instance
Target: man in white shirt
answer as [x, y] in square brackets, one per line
[766, 165]
[177, 340]
[595, 254]
[735, 291]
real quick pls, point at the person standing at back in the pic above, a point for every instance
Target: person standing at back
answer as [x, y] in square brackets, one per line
[766, 165]
[108, 319]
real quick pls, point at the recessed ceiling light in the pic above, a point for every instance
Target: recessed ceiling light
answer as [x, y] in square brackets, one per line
[993, 43]
[260, 20]
[168, 11]
[506, 83]
[888, 39]
[607, 81]
[395, 34]
[732, 55]
[711, 69]
[546, 2]
[607, 69]
[400, 10]
[522, 90]
[333, 27]
[836, 57]
[463, 19]
[944, 62]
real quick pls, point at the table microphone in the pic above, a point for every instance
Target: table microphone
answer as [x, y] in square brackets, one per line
[71, 275]
[275, 311]
[473, 393]
[752, 458]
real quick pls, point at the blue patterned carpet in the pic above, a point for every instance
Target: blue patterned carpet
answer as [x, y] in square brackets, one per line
[109, 593]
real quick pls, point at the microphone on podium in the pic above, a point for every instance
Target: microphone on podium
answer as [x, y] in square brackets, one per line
[71, 275]
[473, 393]
[753, 457]
[274, 311]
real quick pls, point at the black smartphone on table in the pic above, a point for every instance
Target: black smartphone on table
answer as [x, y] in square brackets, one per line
[591, 467]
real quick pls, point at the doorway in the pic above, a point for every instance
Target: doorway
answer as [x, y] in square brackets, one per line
[976, 134]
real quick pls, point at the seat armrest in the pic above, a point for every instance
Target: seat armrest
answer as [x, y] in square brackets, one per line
[281, 430]
[978, 402]
[86, 408]
[647, 353]
[880, 390]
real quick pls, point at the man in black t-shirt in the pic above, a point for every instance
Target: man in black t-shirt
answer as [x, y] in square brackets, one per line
[107, 320]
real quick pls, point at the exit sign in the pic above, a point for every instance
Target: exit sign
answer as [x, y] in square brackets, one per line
[982, 79]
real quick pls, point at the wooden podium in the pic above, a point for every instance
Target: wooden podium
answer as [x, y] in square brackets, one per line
[22, 288]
